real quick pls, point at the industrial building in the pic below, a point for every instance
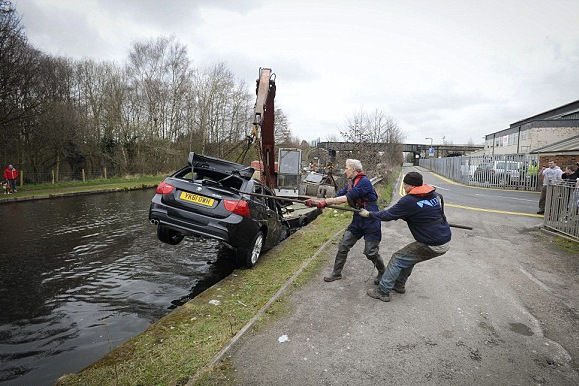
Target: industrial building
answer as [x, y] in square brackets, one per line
[538, 131]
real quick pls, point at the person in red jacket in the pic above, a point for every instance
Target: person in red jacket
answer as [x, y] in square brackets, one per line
[10, 175]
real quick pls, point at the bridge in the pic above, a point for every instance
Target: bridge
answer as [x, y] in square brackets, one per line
[443, 150]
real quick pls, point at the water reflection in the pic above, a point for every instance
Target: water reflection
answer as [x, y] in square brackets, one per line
[80, 275]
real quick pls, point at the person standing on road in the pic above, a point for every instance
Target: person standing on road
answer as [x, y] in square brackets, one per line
[551, 176]
[10, 175]
[360, 191]
[533, 171]
[423, 211]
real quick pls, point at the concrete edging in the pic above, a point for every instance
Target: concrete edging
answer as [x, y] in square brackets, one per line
[217, 358]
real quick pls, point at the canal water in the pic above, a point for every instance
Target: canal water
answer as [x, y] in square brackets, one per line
[79, 275]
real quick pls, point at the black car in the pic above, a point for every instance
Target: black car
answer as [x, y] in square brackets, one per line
[209, 197]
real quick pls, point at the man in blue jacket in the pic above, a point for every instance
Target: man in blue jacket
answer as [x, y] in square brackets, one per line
[359, 191]
[422, 210]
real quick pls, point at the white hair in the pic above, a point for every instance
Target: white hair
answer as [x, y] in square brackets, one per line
[355, 164]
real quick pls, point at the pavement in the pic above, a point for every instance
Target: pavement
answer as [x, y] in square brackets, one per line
[501, 307]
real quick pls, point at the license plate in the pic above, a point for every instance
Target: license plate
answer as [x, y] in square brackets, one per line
[201, 200]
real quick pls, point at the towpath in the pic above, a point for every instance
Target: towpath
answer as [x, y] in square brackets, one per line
[501, 307]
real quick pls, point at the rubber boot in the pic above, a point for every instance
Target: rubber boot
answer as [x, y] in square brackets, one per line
[332, 277]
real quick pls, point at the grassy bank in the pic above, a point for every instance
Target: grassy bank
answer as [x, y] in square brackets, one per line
[185, 341]
[181, 343]
[77, 187]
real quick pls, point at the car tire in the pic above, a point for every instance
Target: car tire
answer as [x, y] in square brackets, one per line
[168, 235]
[248, 257]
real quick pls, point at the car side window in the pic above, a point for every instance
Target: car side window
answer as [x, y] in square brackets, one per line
[270, 201]
[258, 188]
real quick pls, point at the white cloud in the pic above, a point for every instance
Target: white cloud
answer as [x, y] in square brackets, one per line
[458, 69]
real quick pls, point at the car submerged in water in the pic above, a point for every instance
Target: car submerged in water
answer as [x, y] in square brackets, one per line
[211, 197]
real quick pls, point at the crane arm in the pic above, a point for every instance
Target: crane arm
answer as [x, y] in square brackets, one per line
[264, 119]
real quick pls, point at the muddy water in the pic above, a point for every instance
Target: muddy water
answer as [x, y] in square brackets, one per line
[80, 275]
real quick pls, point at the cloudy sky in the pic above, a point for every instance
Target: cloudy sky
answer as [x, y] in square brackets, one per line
[452, 69]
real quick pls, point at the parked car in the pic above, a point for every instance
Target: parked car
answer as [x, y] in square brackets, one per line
[209, 198]
[501, 172]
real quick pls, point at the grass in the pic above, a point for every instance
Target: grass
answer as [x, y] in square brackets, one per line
[567, 245]
[72, 187]
[185, 341]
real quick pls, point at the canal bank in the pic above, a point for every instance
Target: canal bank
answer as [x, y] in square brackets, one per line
[185, 341]
[499, 308]
[43, 192]
[83, 274]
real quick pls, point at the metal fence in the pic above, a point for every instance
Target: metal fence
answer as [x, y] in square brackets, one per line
[513, 171]
[561, 209]
[52, 177]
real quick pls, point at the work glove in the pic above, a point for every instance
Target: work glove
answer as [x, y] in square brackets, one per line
[364, 213]
[316, 204]
[310, 203]
[322, 204]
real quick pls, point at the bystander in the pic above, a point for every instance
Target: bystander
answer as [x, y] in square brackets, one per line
[10, 175]
[551, 176]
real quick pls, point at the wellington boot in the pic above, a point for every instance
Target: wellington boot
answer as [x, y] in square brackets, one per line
[332, 277]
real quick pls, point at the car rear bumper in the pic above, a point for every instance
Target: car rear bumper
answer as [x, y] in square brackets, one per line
[232, 230]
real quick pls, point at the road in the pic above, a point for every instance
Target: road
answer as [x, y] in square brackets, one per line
[501, 307]
[481, 199]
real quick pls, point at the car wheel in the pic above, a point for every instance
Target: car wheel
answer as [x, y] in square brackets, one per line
[168, 235]
[248, 257]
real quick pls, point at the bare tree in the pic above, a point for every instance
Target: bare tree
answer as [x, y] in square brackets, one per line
[282, 131]
[18, 75]
[376, 140]
[62, 114]
[223, 109]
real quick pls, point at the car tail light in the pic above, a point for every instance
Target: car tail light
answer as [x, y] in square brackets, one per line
[240, 207]
[164, 188]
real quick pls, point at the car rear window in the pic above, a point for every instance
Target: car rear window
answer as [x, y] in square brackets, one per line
[200, 175]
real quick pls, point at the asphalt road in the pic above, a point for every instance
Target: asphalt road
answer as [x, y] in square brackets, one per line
[501, 307]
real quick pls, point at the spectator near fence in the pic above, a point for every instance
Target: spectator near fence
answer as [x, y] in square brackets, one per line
[551, 176]
[571, 174]
[571, 181]
[533, 172]
[10, 175]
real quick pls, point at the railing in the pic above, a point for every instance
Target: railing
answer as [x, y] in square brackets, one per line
[561, 209]
[515, 171]
[27, 177]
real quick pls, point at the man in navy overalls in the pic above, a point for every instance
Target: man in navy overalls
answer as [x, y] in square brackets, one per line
[360, 191]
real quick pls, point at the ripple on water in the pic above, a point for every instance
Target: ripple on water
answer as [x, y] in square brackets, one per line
[84, 274]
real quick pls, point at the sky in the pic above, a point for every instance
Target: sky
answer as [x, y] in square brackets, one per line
[450, 70]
